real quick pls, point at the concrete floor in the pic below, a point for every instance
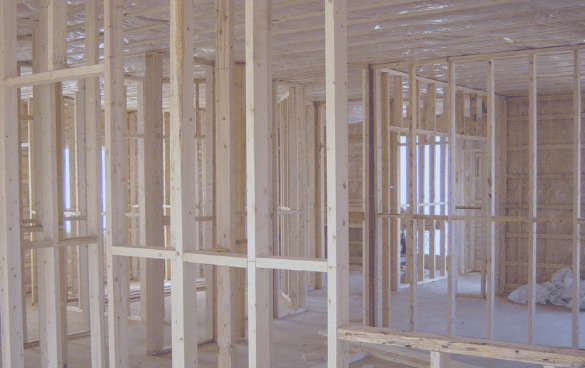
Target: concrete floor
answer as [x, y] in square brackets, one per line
[297, 342]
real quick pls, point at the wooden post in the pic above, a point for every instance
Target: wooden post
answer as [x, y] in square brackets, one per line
[94, 209]
[21, 196]
[532, 194]
[10, 254]
[210, 229]
[81, 188]
[378, 174]
[443, 196]
[337, 180]
[431, 120]
[321, 236]
[385, 137]
[397, 121]
[182, 176]
[301, 124]
[577, 193]
[50, 55]
[239, 140]
[259, 179]
[370, 209]
[225, 184]
[453, 246]
[489, 199]
[150, 189]
[311, 172]
[411, 256]
[116, 189]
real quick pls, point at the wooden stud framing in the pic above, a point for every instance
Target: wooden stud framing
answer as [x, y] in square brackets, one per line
[443, 197]
[182, 195]
[489, 200]
[226, 183]
[10, 292]
[370, 209]
[337, 180]
[431, 121]
[532, 194]
[411, 226]
[385, 172]
[79, 186]
[150, 182]
[378, 168]
[577, 196]
[50, 53]
[397, 121]
[239, 177]
[259, 180]
[116, 187]
[453, 246]
[210, 228]
[320, 278]
[93, 190]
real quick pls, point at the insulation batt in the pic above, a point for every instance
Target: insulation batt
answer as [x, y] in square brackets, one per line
[558, 291]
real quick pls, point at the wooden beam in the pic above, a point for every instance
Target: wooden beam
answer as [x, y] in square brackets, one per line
[532, 193]
[182, 184]
[259, 166]
[337, 180]
[292, 263]
[59, 75]
[225, 168]
[517, 352]
[10, 292]
[116, 187]
[577, 195]
[216, 258]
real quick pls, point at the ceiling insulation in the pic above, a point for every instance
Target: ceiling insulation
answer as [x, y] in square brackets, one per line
[379, 32]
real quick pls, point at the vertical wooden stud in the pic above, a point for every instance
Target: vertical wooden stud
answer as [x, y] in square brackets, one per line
[397, 120]
[337, 180]
[239, 140]
[150, 189]
[116, 189]
[225, 186]
[50, 54]
[384, 222]
[94, 204]
[577, 195]
[370, 210]
[489, 199]
[259, 180]
[10, 292]
[411, 228]
[210, 230]
[81, 189]
[532, 193]
[182, 177]
[453, 246]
